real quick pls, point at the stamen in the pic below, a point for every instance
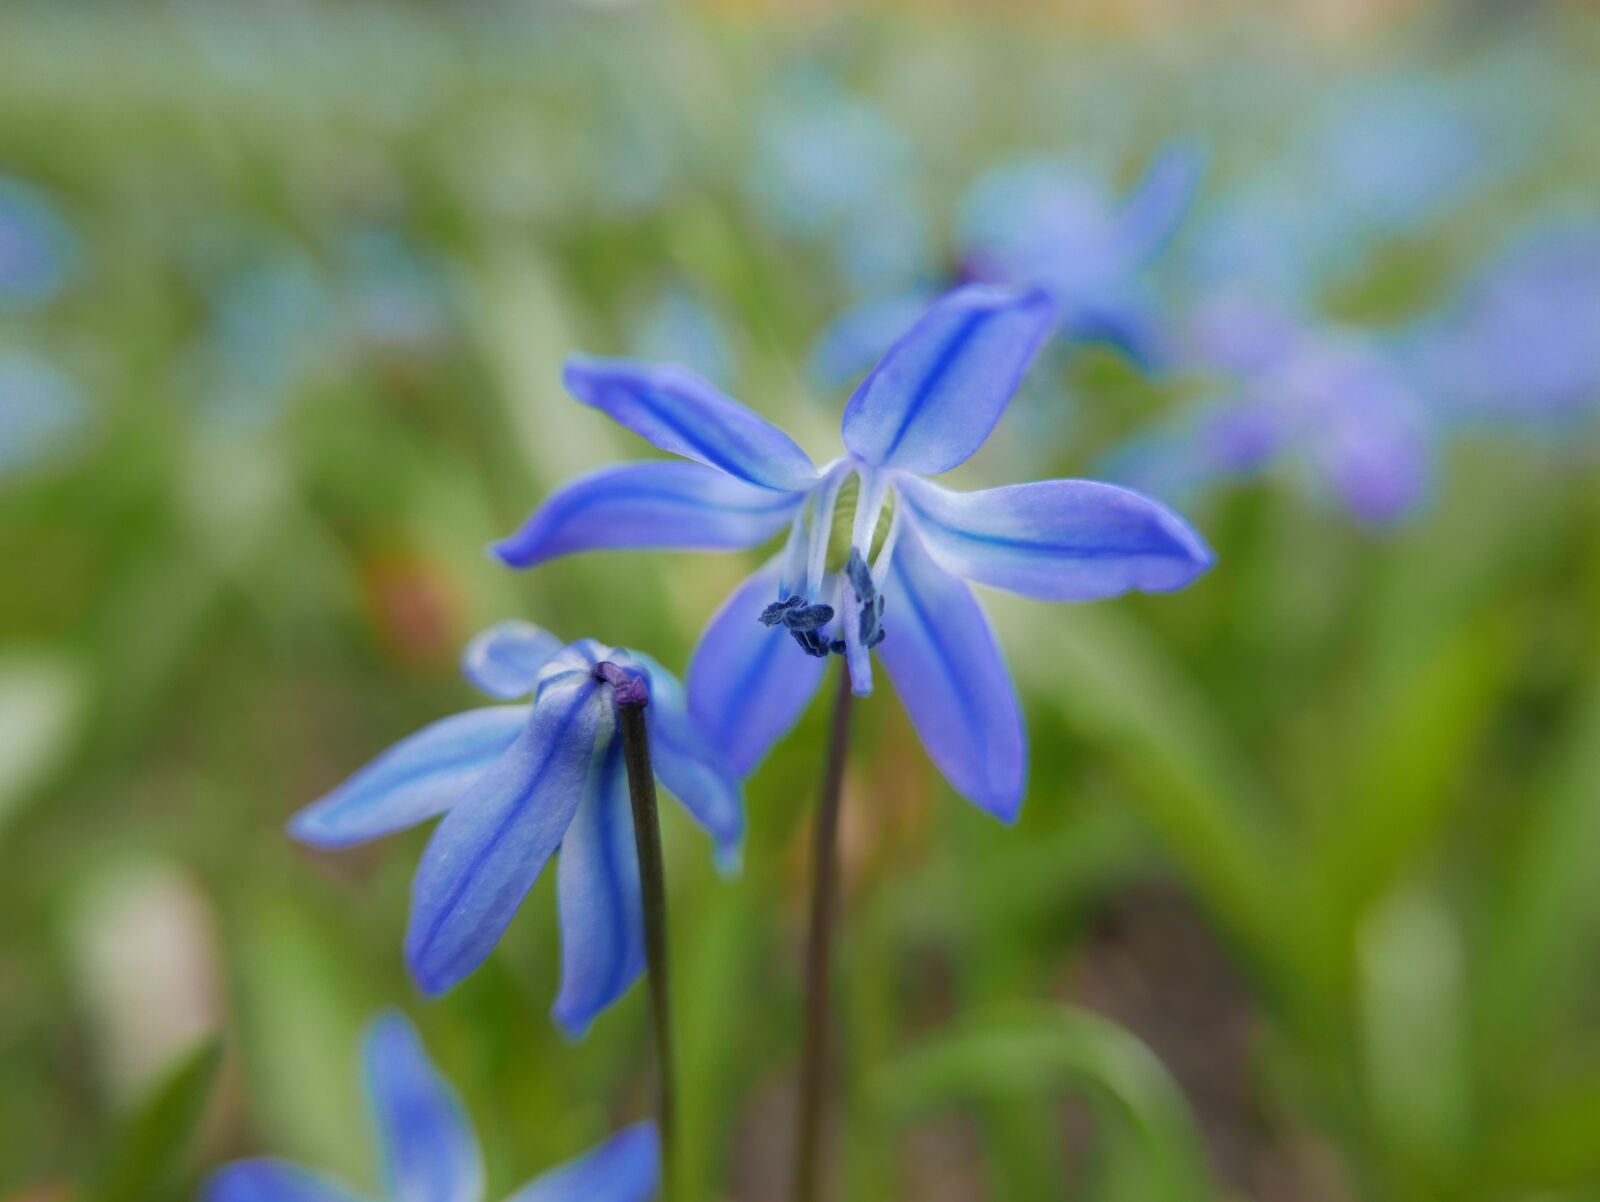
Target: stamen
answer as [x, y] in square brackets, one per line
[823, 501]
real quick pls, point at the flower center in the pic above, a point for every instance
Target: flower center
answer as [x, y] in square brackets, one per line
[835, 563]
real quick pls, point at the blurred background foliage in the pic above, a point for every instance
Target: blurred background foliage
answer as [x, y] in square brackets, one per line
[1302, 902]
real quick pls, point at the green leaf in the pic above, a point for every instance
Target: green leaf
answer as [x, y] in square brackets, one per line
[147, 1151]
[1035, 1051]
[1185, 773]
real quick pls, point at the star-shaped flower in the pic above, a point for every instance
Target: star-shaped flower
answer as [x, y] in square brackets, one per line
[516, 782]
[892, 578]
[429, 1151]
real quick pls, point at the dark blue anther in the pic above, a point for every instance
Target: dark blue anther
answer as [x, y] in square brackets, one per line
[868, 625]
[774, 614]
[796, 616]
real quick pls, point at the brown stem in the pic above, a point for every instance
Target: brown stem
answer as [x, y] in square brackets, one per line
[653, 889]
[819, 954]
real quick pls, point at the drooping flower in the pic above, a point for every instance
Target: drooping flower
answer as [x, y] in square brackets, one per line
[1338, 401]
[896, 583]
[515, 783]
[429, 1150]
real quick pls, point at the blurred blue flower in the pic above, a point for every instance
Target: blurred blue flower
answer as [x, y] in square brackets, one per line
[1522, 341]
[272, 319]
[39, 409]
[1398, 151]
[37, 249]
[830, 167]
[516, 782]
[927, 406]
[429, 1150]
[398, 295]
[681, 328]
[1038, 224]
[1334, 399]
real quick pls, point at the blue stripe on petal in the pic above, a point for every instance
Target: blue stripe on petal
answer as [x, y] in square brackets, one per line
[626, 1168]
[933, 399]
[679, 412]
[678, 505]
[429, 1151]
[486, 854]
[504, 661]
[1058, 540]
[418, 778]
[749, 683]
[597, 888]
[271, 1181]
[952, 678]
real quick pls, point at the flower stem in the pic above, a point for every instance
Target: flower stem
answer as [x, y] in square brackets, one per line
[819, 954]
[652, 882]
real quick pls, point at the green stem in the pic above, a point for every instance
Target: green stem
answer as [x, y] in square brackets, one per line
[819, 954]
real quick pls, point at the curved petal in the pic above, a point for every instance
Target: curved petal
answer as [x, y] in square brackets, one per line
[418, 778]
[1058, 540]
[697, 776]
[271, 1181]
[859, 336]
[1158, 205]
[679, 412]
[486, 854]
[626, 1168]
[680, 505]
[933, 399]
[597, 890]
[429, 1151]
[942, 656]
[504, 661]
[749, 683]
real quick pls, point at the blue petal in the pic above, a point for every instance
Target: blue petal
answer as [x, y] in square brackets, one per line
[650, 505]
[943, 659]
[933, 399]
[429, 1151]
[271, 1181]
[698, 776]
[602, 916]
[858, 337]
[679, 412]
[1158, 205]
[1058, 540]
[749, 683]
[1373, 444]
[491, 847]
[626, 1168]
[418, 778]
[504, 661]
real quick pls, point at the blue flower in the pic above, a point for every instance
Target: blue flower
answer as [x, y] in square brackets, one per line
[430, 1153]
[1038, 224]
[516, 782]
[37, 250]
[1338, 400]
[896, 582]
[1523, 339]
[40, 410]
